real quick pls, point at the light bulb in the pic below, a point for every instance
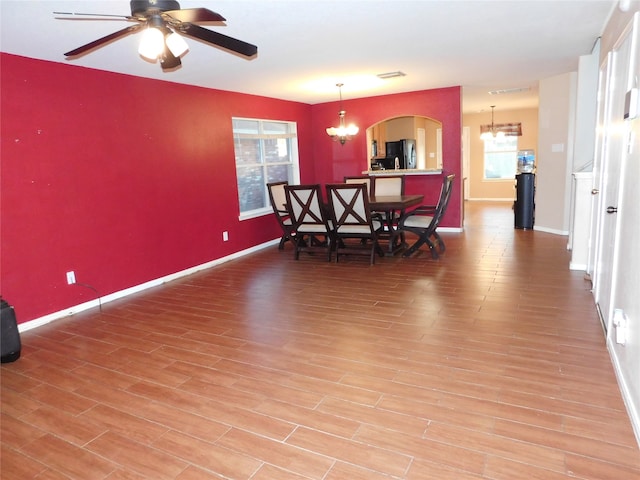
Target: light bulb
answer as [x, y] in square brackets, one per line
[151, 44]
[176, 44]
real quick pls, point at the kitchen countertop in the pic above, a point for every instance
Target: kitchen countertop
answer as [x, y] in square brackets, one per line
[411, 171]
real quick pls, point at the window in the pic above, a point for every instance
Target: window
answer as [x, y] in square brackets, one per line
[500, 158]
[266, 151]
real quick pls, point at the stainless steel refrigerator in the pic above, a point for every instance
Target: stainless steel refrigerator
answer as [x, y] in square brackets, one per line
[404, 151]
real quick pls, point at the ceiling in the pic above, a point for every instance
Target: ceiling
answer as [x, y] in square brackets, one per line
[305, 47]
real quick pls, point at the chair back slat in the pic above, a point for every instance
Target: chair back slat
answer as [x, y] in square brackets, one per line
[388, 185]
[305, 204]
[361, 179]
[349, 204]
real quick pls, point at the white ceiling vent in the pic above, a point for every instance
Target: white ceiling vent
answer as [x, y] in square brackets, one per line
[386, 76]
[509, 90]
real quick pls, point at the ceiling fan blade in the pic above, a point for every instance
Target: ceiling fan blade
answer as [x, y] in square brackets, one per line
[101, 41]
[195, 15]
[101, 16]
[220, 40]
[168, 61]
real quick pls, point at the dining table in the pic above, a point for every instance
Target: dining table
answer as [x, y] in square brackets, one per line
[392, 206]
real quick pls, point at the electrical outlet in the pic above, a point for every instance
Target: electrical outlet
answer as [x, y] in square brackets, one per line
[225, 236]
[71, 277]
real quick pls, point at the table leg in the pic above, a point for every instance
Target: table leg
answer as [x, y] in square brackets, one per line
[395, 237]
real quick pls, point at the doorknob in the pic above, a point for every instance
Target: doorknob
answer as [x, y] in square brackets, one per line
[595, 191]
[612, 209]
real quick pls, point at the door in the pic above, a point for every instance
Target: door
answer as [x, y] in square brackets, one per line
[599, 149]
[612, 153]
[466, 153]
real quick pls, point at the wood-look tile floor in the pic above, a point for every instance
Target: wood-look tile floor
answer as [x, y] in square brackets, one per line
[489, 363]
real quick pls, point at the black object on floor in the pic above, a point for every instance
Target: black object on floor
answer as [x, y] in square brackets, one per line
[9, 334]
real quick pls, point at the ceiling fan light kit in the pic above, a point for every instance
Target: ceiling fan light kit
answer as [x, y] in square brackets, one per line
[141, 7]
[162, 38]
[176, 44]
[151, 43]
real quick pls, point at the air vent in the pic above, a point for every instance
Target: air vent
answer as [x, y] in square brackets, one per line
[509, 90]
[386, 76]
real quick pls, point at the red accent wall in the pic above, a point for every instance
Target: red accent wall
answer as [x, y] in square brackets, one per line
[120, 179]
[125, 180]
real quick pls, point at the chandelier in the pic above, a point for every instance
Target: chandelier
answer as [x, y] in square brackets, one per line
[343, 132]
[491, 131]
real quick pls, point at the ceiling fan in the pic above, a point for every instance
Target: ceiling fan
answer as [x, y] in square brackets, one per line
[163, 23]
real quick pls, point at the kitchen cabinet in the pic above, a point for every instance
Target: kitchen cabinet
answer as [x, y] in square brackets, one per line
[378, 135]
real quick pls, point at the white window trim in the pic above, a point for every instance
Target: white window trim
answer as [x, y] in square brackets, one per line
[499, 180]
[295, 163]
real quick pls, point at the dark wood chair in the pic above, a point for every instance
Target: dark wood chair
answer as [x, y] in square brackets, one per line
[390, 185]
[384, 185]
[366, 179]
[314, 232]
[424, 221]
[278, 199]
[352, 220]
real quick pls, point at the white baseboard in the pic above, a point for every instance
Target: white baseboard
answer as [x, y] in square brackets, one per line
[578, 266]
[632, 408]
[23, 327]
[490, 200]
[551, 230]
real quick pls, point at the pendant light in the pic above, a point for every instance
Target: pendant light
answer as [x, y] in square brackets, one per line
[343, 132]
[490, 131]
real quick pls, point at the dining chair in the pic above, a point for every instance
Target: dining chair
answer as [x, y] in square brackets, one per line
[424, 221]
[352, 220]
[278, 199]
[366, 179]
[389, 186]
[310, 220]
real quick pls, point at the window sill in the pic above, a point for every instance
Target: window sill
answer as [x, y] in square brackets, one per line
[255, 214]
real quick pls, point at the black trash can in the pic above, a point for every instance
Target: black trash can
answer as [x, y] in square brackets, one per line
[524, 206]
[10, 339]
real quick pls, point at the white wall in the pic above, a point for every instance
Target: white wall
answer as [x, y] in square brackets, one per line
[556, 115]
[586, 110]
